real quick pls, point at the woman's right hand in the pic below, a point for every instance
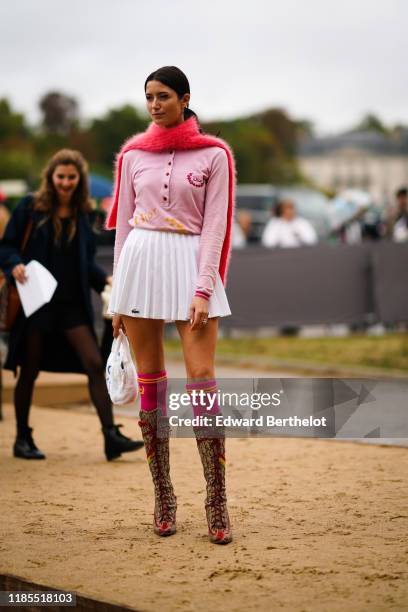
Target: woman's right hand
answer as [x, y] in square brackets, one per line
[19, 273]
[117, 325]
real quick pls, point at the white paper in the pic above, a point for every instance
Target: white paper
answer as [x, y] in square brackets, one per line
[38, 289]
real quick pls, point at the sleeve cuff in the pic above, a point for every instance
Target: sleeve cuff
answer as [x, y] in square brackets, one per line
[202, 294]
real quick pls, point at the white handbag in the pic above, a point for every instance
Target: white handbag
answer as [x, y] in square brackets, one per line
[121, 376]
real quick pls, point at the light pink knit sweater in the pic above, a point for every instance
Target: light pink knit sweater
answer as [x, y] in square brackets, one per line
[177, 191]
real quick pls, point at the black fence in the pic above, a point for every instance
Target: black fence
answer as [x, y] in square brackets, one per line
[323, 284]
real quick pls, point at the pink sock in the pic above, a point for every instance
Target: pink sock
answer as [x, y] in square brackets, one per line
[201, 403]
[152, 388]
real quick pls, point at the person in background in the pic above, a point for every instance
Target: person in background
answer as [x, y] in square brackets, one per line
[4, 219]
[4, 213]
[285, 229]
[59, 337]
[244, 220]
[238, 240]
[400, 220]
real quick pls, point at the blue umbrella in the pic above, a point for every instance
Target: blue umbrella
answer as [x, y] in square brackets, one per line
[99, 186]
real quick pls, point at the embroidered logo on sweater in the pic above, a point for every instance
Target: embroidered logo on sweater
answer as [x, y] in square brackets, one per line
[176, 224]
[195, 179]
[144, 217]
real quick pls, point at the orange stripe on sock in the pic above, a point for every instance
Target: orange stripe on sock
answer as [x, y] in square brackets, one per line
[148, 381]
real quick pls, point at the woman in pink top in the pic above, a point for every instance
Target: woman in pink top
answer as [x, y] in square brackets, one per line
[172, 212]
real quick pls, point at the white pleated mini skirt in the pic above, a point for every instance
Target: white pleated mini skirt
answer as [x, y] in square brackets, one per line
[156, 277]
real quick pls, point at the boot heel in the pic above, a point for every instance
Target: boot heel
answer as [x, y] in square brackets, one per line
[212, 455]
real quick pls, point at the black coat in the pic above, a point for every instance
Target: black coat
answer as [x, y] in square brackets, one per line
[58, 355]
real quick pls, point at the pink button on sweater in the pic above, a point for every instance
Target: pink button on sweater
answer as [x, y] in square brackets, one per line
[178, 191]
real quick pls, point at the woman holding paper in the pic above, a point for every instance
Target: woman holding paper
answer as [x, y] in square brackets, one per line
[59, 336]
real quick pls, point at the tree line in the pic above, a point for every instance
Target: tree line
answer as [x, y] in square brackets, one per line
[264, 143]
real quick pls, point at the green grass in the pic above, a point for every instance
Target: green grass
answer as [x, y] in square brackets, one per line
[388, 352]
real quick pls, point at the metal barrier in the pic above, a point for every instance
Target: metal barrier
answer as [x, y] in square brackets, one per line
[323, 284]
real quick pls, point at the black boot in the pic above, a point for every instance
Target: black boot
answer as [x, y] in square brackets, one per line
[24, 446]
[116, 443]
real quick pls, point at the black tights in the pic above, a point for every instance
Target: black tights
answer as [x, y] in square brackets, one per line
[84, 344]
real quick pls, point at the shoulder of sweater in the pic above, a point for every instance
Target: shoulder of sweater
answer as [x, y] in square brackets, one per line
[215, 152]
[131, 155]
[217, 157]
[212, 152]
[221, 153]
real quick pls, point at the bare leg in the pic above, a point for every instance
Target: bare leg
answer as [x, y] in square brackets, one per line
[199, 348]
[199, 356]
[146, 338]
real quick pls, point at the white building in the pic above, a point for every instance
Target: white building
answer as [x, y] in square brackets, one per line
[364, 160]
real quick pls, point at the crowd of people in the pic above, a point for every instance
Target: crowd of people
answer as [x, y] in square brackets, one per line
[286, 228]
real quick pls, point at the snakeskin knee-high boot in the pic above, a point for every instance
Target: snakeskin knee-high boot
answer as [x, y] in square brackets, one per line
[212, 454]
[157, 451]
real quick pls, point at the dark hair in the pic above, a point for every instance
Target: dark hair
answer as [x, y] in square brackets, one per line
[280, 204]
[174, 78]
[401, 192]
[46, 199]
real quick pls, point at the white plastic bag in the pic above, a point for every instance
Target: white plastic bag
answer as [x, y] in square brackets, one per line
[121, 376]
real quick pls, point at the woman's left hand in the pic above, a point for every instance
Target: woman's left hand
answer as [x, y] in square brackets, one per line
[109, 280]
[198, 313]
[117, 325]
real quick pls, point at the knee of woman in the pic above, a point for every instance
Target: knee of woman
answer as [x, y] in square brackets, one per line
[200, 373]
[94, 367]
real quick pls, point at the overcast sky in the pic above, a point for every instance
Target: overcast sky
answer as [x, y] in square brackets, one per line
[325, 60]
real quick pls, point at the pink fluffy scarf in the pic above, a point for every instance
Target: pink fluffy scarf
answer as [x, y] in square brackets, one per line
[181, 137]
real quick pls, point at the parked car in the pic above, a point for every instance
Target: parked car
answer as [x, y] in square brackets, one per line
[257, 201]
[260, 200]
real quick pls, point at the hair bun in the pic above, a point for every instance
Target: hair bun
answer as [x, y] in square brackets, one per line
[188, 113]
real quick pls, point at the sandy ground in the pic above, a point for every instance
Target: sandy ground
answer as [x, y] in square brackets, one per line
[318, 525]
